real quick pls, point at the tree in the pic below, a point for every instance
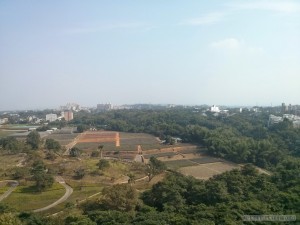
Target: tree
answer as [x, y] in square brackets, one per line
[75, 152]
[79, 220]
[33, 139]
[94, 154]
[81, 128]
[9, 219]
[79, 173]
[52, 144]
[169, 140]
[111, 217]
[20, 173]
[131, 179]
[29, 218]
[155, 167]
[121, 197]
[50, 156]
[100, 148]
[11, 144]
[103, 164]
[42, 179]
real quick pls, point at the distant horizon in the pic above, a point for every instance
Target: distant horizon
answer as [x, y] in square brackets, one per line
[182, 52]
[154, 104]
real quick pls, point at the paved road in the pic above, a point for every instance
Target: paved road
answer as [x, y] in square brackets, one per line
[69, 191]
[13, 185]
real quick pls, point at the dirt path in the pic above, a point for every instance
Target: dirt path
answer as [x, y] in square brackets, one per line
[13, 186]
[69, 191]
[117, 139]
[72, 144]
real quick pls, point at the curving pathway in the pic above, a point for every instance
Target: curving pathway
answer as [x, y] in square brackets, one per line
[69, 191]
[13, 185]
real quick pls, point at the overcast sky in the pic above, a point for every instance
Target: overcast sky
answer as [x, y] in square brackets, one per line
[129, 51]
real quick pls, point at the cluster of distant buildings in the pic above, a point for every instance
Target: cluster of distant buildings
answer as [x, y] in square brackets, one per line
[67, 115]
[290, 109]
[104, 107]
[277, 119]
[289, 112]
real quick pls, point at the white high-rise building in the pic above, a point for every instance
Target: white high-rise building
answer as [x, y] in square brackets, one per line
[51, 117]
[214, 109]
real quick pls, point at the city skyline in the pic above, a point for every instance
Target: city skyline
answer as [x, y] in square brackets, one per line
[172, 52]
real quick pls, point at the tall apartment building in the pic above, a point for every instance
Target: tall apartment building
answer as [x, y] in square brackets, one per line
[68, 115]
[104, 107]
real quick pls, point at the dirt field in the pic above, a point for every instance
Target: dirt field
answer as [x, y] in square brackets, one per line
[99, 137]
[198, 165]
[205, 171]
[62, 138]
[171, 157]
[115, 141]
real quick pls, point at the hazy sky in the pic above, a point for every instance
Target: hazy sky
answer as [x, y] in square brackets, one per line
[137, 51]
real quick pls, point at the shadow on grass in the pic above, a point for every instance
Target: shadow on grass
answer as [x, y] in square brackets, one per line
[34, 189]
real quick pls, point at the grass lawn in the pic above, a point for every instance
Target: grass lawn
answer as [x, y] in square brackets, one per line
[5, 133]
[3, 189]
[8, 162]
[24, 198]
[81, 191]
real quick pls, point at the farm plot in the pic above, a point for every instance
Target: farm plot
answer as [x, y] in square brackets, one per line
[114, 141]
[177, 164]
[161, 155]
[205, 171]
[193, 150]
[132, 140]
[63, 138]
[204, 160]
[90, 140]
[98, 137]
[5, 133]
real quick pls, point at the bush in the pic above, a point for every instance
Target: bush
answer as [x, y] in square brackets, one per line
[103, 164]
[95, 154]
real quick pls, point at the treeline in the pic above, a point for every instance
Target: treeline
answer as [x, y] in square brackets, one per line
[33, 141]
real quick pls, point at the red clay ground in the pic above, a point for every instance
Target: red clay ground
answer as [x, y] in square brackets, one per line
[99, 137]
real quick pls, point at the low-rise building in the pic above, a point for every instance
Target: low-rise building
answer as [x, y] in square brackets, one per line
[3, 120]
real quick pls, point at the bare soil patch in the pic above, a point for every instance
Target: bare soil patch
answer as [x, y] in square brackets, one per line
[205, 171]
[99, 137]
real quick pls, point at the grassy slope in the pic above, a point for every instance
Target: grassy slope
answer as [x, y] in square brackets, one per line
[25, 198]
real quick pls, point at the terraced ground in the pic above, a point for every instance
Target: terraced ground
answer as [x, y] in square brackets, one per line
[185, 158]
